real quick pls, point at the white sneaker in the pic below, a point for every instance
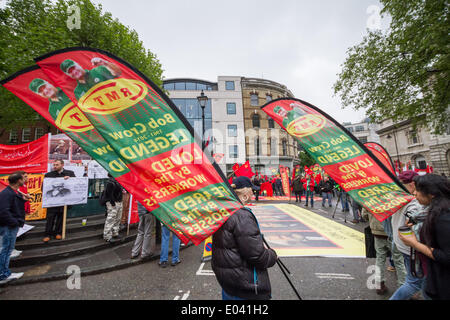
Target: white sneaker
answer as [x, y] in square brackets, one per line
[13, 276]
[15, 253]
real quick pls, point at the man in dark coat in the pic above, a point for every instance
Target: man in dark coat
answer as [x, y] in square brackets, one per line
[114, 204]
[12, 217]
[297, 187]
[239, 258]
[54, 223]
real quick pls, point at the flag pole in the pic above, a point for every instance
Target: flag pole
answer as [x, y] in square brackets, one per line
[64, 223]
[129, 214]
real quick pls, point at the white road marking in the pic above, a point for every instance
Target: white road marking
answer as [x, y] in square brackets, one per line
[201, 272]
[334, 276]
[184, 297]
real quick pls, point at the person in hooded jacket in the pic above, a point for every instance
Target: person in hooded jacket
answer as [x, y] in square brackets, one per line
[239, 258]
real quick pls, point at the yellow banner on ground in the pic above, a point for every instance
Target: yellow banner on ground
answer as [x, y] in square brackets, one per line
[293, 231]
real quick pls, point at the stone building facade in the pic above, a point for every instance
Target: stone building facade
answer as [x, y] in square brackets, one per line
[267, 144]
[419, 146]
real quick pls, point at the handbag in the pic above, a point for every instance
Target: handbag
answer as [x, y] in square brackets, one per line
[370, 243]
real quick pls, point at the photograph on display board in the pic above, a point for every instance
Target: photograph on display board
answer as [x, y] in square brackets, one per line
[78, 153]
[59, 191]
[59, 149]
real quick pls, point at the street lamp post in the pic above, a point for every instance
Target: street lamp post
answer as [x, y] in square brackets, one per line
[396, 148]
[203, 100]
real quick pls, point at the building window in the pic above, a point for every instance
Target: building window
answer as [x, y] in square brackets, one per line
[359, 128]
[169, 86]
[363, 139]
[257, 146]
[191, 86]
[232, 130]
[254, 100]
[229, 85]
[420, 162]
[284, 147]
[268, 98]
[349, 129]
[180, 86]
[255, 120]
[26, 134]
[191, 109]
[271, 123]
[233, 150]
[413, 138]
[13, 136]
[273, 147]
[231, 108]
[38, 132]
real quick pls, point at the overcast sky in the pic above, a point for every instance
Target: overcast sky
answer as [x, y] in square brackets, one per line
[298, 43]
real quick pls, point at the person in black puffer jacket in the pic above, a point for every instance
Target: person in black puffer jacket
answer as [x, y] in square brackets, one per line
[239, 258]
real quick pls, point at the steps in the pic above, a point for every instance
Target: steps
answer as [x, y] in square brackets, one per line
[79, 240]
[83, 247]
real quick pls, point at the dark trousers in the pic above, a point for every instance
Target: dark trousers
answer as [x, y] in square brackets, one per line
[298, 196]
[54, 223]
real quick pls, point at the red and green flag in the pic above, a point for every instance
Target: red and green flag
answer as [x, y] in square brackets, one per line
[343, 157]
[144, 140]
[380, 152]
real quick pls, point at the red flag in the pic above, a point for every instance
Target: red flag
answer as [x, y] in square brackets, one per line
[245, 170]
[236, 167]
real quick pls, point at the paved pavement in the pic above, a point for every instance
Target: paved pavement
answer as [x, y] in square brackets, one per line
[315, 279]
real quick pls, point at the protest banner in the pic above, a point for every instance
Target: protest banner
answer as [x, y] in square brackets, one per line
[37, 212]
[58, 192]
[29, 157]
[285, 181]
[185, 189]
[342, 156]
[38, 91]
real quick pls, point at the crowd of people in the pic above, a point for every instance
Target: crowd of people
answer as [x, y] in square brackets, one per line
[307, 187]
[15, 204]
[416, 237]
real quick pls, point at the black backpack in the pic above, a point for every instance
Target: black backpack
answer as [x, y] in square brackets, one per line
[102, 200]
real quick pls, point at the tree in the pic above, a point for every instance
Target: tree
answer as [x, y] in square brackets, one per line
[403, 72]
[31, 28]
[305, 159]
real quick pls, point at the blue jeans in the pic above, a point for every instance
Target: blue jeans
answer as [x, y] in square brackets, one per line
[325, 196]
[165, 232]
[226, 296]
[7, 241]
[310, 194]
[412, 284]
[344, 201]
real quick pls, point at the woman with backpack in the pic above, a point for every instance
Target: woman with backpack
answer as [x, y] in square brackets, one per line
[434, 246]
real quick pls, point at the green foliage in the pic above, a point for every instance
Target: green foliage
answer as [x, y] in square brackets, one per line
[404, 72]
[305, 159]
[31, 28]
